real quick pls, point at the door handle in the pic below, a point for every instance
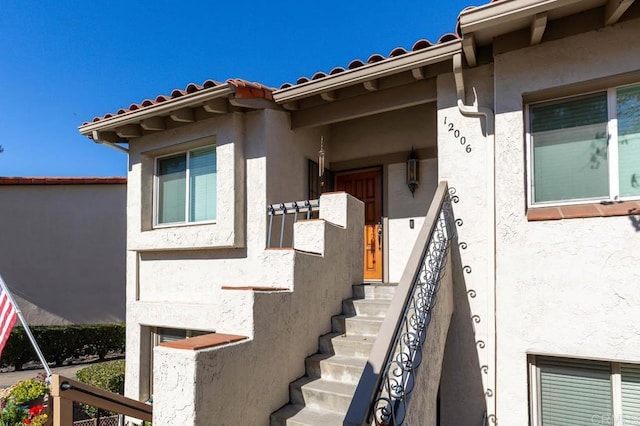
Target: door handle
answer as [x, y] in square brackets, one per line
[380, 233]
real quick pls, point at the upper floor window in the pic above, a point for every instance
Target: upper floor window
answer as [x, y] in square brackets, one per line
[585, 148]
[186, 187]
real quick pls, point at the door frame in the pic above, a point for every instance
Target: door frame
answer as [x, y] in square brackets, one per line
[383, 205]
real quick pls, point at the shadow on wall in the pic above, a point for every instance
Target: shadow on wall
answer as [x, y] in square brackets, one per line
[239, 253]
[462, 395]
[635, 222]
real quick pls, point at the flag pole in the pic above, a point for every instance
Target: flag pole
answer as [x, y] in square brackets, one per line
[26, 328]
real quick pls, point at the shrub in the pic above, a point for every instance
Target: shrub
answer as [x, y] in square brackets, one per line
[62, 342]
[27, 391]
[104, 338]
[107, 375]
[18, 350]
[13, 414]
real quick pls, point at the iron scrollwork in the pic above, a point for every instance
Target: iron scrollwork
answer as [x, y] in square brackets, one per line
[389, 406]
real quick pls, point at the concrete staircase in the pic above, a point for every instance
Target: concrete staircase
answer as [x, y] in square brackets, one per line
[322, 397]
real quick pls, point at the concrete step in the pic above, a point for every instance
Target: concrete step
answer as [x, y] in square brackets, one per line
[366, 307]
[339, 368]
[356, 325]
[341, 344]
[299, 415]
[322, 394]
[374, 291]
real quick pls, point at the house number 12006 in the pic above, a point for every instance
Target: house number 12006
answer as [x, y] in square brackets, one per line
[457, 135]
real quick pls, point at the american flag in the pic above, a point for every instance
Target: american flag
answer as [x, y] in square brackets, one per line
[8, 316]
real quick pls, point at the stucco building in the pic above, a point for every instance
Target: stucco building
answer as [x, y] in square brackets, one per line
[530, 112]
[63, 247]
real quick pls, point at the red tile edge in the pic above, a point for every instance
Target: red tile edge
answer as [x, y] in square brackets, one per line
[62, 180]
[255, 288]
[581, 211]
[544, 213]
[244, 89]
[203, 342]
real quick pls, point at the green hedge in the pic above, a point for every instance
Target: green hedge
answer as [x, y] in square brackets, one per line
[60, 343]
[108, 376]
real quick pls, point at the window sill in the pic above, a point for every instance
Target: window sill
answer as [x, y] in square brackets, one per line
[622, 208]
[180, 224]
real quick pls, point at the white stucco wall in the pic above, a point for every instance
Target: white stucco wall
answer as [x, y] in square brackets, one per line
[464, 380]
[287, 155]
[63, 251]
[566, 288]
[176, 273]
[385, 133]
[562, 288]
[404, 208]
[169, 269]
[204, 387]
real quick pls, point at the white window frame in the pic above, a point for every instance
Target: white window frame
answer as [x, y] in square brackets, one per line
[156, 189]
[535, 407]
[157, 333]
[612, 151]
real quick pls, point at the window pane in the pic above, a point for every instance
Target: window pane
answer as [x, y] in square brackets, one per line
[630, 394]
[172, 189]
[574, 392]
[202, 184]
[570, 149]
[629, 140]
[171, 334]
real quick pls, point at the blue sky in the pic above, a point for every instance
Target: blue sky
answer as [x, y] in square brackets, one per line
[64, 62]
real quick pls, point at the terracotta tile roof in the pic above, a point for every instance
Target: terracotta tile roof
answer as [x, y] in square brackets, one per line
[398, 51]
[62, 180]
[249, 90]
[244, 89]
[376, 57]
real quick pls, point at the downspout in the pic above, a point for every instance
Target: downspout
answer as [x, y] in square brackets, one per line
[489, 117]
[109, 144]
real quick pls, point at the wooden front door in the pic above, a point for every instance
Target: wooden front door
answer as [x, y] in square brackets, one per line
[367, 187]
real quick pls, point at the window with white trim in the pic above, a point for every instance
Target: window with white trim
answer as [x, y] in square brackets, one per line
[186, 187]
[585, 148]
[583, 392]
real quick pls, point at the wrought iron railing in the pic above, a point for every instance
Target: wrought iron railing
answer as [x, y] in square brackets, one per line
[385, 387]
[295, 210]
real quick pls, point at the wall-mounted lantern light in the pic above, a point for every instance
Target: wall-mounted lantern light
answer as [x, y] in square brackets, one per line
[413, 171]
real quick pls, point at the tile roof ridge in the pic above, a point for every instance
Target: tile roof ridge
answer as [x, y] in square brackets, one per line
[420, 44]
[243, 88]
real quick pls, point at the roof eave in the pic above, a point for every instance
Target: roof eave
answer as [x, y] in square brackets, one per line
[493, 14]
[161, 109]
[499, 18]
[411, 60]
